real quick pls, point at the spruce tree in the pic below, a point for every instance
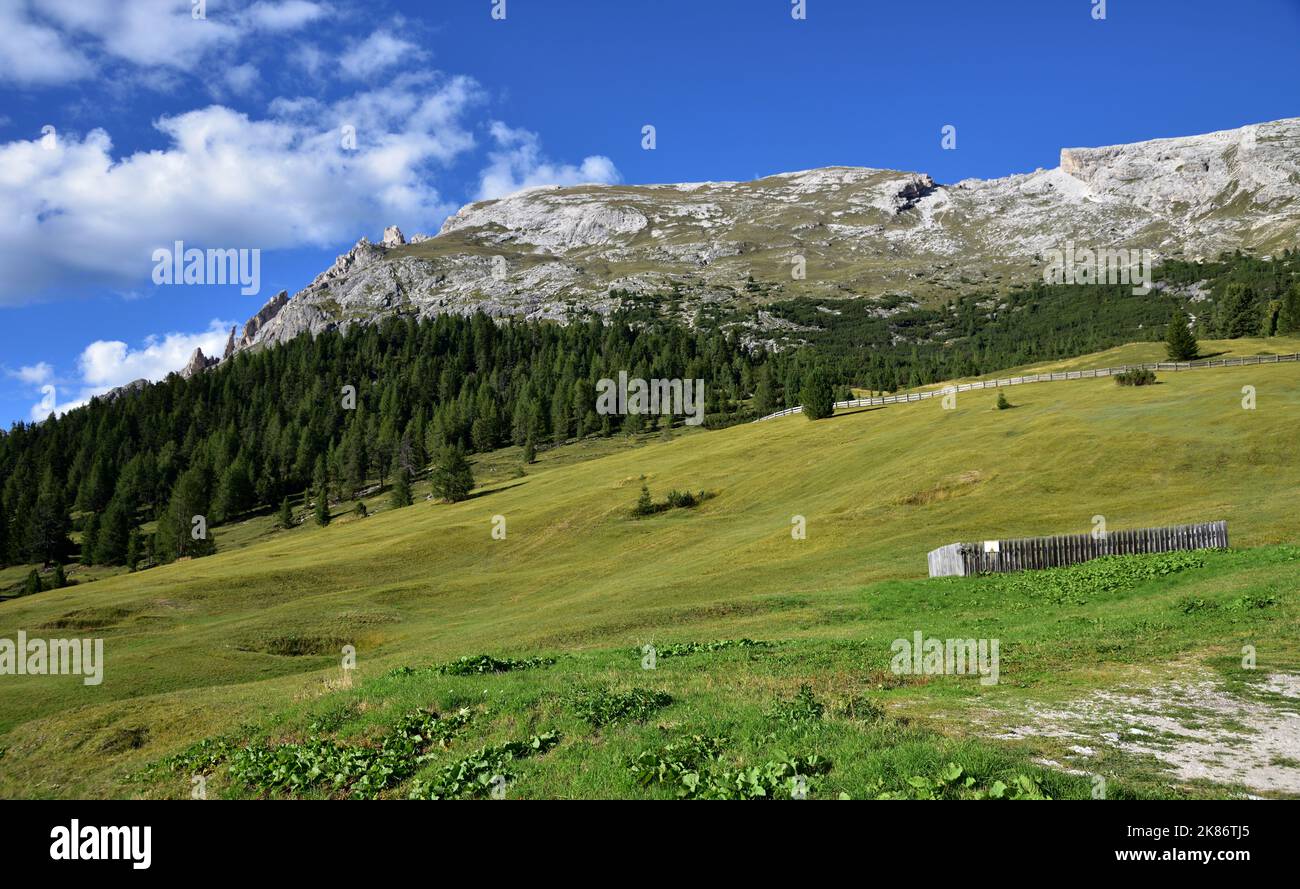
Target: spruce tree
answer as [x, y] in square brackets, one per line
[816, 396]
[401, 493]
[60, 578]
[1180, 342]
[33, 583]
[1288, 318]
[48, 533]
[114, 534]
[322, 512]
[286, 514]
[89, 538]
[452, 478]
[133, 547]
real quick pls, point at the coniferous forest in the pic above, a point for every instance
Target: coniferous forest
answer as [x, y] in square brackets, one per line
[331, 415]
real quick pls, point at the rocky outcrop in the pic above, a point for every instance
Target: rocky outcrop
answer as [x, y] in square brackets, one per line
[127, 389]
[560, 252]
[230, 346]
[253, 325]
[197, 364]
[393, 237]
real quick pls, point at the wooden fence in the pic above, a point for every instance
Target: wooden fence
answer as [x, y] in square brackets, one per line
[1046, 378]
[1029, 553]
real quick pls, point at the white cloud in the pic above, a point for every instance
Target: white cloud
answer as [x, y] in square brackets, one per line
[378, 52]
[518, 163]
[106, 364]
[33, 53]
[286, 16]
[47, 42]
[75, 215]
[242, 78]
[309, 57]
[34, 374]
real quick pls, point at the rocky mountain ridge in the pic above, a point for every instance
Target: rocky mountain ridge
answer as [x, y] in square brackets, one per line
[563, 252]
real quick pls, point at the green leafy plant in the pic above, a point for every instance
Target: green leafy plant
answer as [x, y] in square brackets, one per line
[475, 665]
[804, 708]
[694, 768]
[476, 775]
[682, 649]
[953, 782]
[599, 707]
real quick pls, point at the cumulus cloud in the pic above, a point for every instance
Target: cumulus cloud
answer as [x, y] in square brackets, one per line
[34, 374]
[518, 163]
[107, 364]
[378, 52]
[48, 42]
[76, 215]
[286, 16]
[33, 53]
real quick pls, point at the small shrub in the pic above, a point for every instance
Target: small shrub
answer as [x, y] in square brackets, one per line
[1003, 404]
[1136, 377]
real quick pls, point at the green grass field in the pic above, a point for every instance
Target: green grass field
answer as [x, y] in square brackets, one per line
[245, 645]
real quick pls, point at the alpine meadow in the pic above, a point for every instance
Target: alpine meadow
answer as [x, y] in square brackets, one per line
[616, 429]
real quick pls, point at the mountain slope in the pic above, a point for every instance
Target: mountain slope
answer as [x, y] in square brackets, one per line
[559, 251]
[429, 582]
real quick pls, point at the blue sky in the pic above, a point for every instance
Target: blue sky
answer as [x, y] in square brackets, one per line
[225, 131]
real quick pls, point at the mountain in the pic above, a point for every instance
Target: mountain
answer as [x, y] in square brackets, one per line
[558, 252]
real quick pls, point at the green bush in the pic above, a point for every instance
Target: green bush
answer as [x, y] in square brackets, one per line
[1136, 377]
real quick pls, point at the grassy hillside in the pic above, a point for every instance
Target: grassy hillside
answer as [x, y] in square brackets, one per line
[245, 643]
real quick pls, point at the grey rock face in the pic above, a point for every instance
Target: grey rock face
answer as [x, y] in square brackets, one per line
[558, 252]
[197, 364]
[393, 237]
[253, 325]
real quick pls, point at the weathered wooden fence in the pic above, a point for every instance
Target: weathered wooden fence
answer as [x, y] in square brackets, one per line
[1046, 378]
[1029, 553]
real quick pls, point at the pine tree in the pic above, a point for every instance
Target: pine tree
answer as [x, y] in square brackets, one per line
[33, 583]
[48, 534]
[89, 538]
[645, 505]
[235, 492]
[401, 494]
[530, 451]
[60, 578]
[1180, 343]
[1241, 314]
[285, 520]
[322, 512]
[1288, 318]
[114, 534]
[452, 478]
[177, 533]
[133, 548]
[816, 396]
